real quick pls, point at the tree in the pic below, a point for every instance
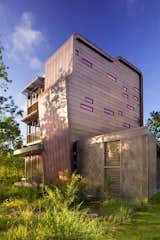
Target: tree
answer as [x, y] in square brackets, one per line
[10, 137]
[153, 124]
[11, 167]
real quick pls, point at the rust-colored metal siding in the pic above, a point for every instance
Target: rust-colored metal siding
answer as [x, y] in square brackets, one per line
[53, 117]
[105, 94]
[60, 64]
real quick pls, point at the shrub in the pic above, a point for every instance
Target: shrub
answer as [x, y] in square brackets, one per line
[155, 199]
[61, 225]
[108, 186]
[12, 191]
[57, 216]
[117, 211]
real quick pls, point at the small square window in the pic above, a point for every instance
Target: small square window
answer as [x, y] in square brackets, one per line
[124, 89]
[130, 107]
[120, 113]
[136, 98]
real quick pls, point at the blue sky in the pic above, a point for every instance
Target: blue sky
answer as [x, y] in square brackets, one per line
[31, 30]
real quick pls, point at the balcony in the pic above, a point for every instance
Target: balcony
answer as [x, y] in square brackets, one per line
[33, 137]
[32, 113]
[32, 108]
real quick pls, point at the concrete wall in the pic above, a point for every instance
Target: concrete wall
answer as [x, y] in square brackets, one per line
[152, 166]
[134, 167]
[138, 161]
[91, 162]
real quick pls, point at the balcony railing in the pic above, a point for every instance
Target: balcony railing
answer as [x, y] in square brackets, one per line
[33, 137]
[32, 108]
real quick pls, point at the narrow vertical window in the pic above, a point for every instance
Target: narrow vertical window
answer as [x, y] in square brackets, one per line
[136, 98]
[77, 52]
[124, 89]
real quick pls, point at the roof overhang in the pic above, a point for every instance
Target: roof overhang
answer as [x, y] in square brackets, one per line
[38, 81]
[29, 150]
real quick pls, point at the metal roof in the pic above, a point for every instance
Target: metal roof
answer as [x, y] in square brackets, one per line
[38, 81]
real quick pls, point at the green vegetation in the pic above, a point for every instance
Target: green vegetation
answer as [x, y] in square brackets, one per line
[48, 213]
[57, 212]
[153, 123]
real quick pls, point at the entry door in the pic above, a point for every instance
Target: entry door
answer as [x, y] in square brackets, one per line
[112, 166]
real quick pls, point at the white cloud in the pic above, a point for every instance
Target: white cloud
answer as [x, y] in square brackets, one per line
[35, 63]
[24, 40]
[134, 7]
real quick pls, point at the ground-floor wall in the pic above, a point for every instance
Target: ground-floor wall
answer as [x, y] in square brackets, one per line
[34, 169]
[129, 157]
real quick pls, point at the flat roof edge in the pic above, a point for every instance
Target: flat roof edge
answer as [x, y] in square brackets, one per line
[106, 55]
[24, 91]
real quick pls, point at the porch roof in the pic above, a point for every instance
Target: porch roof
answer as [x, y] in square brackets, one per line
[29, 150]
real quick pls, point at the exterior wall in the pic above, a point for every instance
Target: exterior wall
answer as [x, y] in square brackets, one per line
[138, 161]
[91, 162]
[134, 170]
[152, 166]
[34, 168]
[53, 113]
[99, 93]
[60, 64]
[53, 117]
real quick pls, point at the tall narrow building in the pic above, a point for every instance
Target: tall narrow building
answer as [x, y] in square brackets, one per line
[84, 93]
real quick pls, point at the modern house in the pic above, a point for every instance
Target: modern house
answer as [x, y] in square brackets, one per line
[84, 93]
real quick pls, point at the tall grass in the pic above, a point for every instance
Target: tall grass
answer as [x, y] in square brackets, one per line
[56, 215]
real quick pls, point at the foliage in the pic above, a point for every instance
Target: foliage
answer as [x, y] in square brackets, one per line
[45, 213]
[156, 199]
[9, 128]
[15, 192]
[11, 167]
[117, 211]
[153, 123]
[108, 186]
[3, 72]
[55, 215]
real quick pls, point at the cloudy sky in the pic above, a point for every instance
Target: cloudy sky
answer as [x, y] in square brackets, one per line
[31, 30]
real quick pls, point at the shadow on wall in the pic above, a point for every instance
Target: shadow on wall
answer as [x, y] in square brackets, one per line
[53, 117]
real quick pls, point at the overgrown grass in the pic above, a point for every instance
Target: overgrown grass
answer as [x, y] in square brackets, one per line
[58, 213]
